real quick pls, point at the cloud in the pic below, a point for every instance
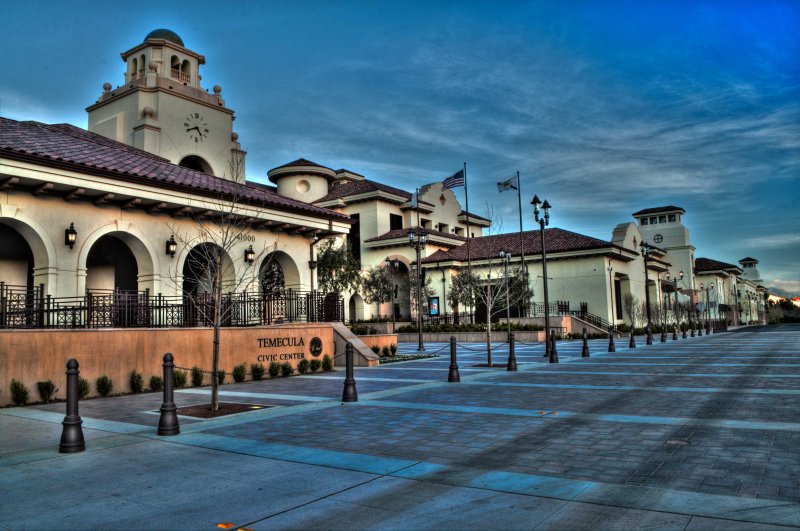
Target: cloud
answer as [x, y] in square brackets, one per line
[790, 287]
[771, 241]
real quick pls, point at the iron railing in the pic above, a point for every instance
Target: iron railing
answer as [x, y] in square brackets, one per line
[22, 307]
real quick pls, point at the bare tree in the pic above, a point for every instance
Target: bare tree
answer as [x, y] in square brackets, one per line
[630, 306]
[377, 286]
[414, 291]
[218, 229]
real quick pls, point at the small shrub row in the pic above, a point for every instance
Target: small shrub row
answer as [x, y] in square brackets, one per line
[467, 327]
[363, 330]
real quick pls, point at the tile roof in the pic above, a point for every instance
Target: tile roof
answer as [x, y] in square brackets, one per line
[64, 145]
[300, 162]
[556, 240]
[658, 210]
[747, 259]
[360, 187]
[707, 264]
[403, 233]
[473, 216]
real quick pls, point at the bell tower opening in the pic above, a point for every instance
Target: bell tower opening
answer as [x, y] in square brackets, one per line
[193, 162]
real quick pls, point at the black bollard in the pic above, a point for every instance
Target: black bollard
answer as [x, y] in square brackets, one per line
[512, 357]
[72, 432]
[546, 345]
[611, 346]
[349, 394]
[663, 334]
[692, 329]
[700, 331]
[649, 335]
[553, 351]
[632, 342]
[585, 349]
[675, 334]
[683, 335]
[168, 421]
[453, 375]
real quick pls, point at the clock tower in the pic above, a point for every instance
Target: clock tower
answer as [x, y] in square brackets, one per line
[162, 108]
[662, 227]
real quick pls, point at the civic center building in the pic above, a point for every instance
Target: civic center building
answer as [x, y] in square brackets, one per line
[119, 208]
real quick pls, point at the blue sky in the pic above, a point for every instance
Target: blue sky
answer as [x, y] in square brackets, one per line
[604, 107]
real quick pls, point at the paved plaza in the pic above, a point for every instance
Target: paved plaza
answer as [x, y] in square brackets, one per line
[698, 433]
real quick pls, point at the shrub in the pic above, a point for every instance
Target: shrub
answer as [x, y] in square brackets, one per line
[156, 383]
[19, 393]
[136, 382]
[179, 379]
[197, 376]
[385, 351]
[84, 388]
[375, 348]
[393, 348]
[274, 369]
[302, 366]
[104, 385]
[239, 373]
[315, 365]
[286, 368]
[258, 371]
[46, 390]
[327, 363]
[220, 377]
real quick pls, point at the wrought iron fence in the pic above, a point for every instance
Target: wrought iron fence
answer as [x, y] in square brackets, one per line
[22, 307]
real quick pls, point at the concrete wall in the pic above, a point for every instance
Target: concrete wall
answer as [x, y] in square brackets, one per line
[35, 355]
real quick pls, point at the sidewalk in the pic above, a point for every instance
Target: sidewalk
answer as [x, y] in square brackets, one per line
[700, 433]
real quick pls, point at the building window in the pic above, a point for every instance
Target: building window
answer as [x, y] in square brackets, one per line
[662, 219]
[671, 217]
[644, 221]
[426, 223]
[653, 220]
[395, 222]
[459, 231]
[443, 227]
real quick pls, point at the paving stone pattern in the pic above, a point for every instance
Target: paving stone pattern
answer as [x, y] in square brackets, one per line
[701, 433]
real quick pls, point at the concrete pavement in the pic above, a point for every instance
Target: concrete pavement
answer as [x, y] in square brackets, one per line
[700, 433]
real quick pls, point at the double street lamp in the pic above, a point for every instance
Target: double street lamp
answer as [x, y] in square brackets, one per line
[646, 249]
[504, 257]
[708, 307]
[674, 283]
[417, 238]
[543, 221]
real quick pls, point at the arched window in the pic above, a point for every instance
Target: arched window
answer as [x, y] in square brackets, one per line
[141, 65]
[134, 68]
[175, 67]
[186, 74]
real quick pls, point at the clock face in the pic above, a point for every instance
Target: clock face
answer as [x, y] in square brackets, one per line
[196, 126]
[658, 238]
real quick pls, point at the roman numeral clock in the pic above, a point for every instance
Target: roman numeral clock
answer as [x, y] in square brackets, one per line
[196, 126]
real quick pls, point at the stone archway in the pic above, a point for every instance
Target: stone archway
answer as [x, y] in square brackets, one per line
[132, 246]
[40, 264]
[278, 268]
[198, 269]
[356, 308]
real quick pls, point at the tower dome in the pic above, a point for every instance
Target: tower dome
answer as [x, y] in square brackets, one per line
[167, 35]
[302, 180]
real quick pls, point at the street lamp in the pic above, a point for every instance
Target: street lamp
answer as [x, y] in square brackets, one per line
[708, 307]
[417, 239]
[504, 257]
[444, 293]
[663, 308]
[392, 266]
[543, 222]
[675, 281]
[646, 248]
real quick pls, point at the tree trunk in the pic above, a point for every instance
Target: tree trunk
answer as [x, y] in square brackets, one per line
[217, 322]
[489, 341]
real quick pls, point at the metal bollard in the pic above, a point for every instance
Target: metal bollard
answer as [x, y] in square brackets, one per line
[675, 334]
[553, 351]
[649, 335]
[632, 342]
[168, 421]
[692, 329]
[611, 346]
[349, 394]
[585, 350]
[700, 331]
[663, 334]
[72, 432]
[512, 357]
[453, 375]
[683, 335]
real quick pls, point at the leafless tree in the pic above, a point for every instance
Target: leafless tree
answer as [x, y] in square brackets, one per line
[217, 229]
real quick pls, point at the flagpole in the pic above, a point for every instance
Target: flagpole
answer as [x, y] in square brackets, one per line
[521, 239]
[469, 237]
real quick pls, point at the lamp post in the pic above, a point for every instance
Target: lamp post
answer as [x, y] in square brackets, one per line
[646, 248]
[663, 308]
[504, 257]
[443, 304]
[417, 239]
[675, 281]
[708, 307]
[611, 292]
[543, 222]
[392, 265]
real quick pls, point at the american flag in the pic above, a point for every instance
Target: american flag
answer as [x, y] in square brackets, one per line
[457, 179]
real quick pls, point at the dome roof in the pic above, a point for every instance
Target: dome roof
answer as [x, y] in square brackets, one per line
[167, 35]
[298, 167]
